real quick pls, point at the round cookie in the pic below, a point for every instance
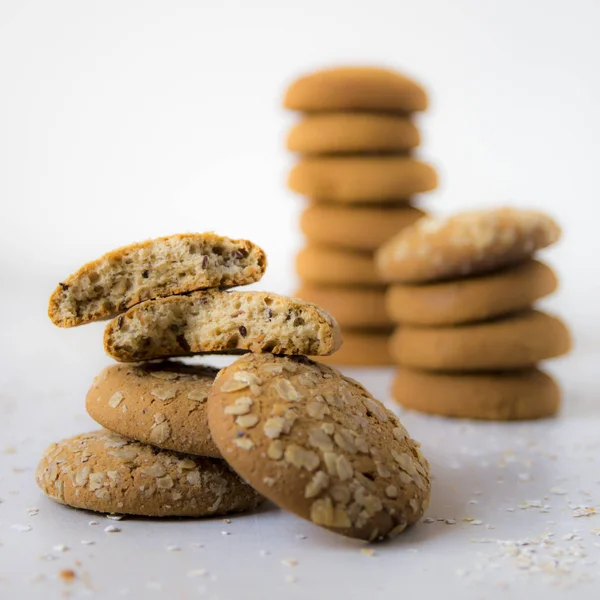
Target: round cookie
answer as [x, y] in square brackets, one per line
[105, 472]
[467, 243]
[358, 227]
[215, 321]
[362, 349]
[158, 268]
[518, 341]
[355, 88]
[319, 445]
[505, 396]
[363, 179]
[471, 299]
[158, 403]
[330, 266]
[348, 133]
[351, 307]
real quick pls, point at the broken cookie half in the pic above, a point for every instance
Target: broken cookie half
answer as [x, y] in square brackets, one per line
[155, 268]
[221, 322]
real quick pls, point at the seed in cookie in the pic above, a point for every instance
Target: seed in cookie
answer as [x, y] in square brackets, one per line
[161, 403]
[105, 472]
[156, 268]
[350, 467]
[215, 321]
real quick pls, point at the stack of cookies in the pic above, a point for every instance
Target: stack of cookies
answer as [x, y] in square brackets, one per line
[356, 136]
[184, 440]
[469, 339]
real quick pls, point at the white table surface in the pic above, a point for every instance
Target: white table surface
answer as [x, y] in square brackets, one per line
[503, 521]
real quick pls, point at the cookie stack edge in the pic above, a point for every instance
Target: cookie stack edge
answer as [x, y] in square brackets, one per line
[355, 141]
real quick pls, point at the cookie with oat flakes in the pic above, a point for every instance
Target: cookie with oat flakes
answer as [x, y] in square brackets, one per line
[468, 243]
[221, 322]
[105, 472]
[159, 403]
[175, 264]
[319, 445]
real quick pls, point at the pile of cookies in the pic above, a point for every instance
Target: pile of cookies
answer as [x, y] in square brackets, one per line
[185, 440]
[468, 339]
[355, 138]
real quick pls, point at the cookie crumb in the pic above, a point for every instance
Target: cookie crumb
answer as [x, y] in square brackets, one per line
[289, 562]
[67, 575]
[367, 551]
[60, 548]
[112, 529]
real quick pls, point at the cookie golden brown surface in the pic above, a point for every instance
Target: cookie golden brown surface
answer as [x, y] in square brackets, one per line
[334, 266]
[503, 396]
[351, 133]
[105, 472]
[158, 403]
[319, 445]
[350, 306]
[362, 228]
[221, 322]
[361, 179]
[355, 88]
[465, 244]
[517, 341]
[156, 268]
[362, 348]
[471, 299]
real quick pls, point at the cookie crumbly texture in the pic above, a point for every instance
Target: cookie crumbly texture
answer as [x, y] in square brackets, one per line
[221, 322]
[362, 228]
[355, 88]
[319, 445]
[362, 348]
[504, 396]
[364, 179]
[518, 341]
[335, 266]
[348, 133]
[477, 298]
[467, 243]
[107, 473]
[156, 268]
[350, 306]
[158, 403]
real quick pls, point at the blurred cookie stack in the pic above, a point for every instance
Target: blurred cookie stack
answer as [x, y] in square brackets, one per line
[355, 137]
[468, 339]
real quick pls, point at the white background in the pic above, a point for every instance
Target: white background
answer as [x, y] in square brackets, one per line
[123, 120]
